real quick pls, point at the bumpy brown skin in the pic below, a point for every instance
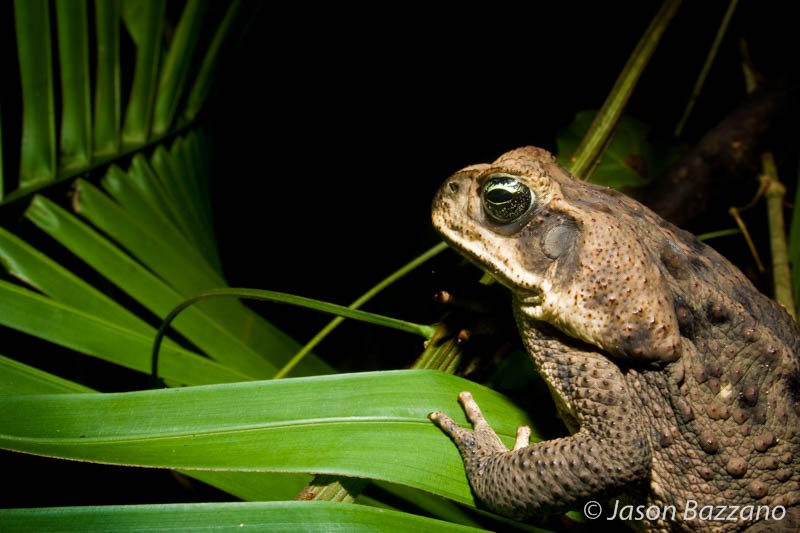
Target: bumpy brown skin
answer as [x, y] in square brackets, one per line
[679, 380]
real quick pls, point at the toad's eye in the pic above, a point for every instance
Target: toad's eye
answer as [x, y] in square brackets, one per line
[505, 199]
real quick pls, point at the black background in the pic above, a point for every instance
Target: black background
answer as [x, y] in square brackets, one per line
[333, 127]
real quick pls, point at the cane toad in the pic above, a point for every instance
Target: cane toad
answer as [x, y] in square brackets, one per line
[678, 380]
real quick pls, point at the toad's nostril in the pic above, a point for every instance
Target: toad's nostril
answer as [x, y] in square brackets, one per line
[453, 186]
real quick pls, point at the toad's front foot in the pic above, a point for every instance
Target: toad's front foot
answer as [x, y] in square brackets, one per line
[482, 441]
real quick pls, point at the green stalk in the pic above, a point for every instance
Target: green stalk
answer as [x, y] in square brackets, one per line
[291, 299]
[774, 191]
[775, 194]
[701, 78]
[717, 234]
[593, 143]
[364, 298]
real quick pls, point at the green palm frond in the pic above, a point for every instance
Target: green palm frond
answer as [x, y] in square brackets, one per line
[147, 227]
[99, 118]
[110, 95]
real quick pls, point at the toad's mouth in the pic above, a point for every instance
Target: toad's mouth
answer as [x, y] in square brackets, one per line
[476, 251]
[481, 247]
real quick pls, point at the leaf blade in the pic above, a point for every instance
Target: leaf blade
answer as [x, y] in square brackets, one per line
[176, 65]
[371, 425]
[73, 50]
[31, 313]
[262, 516]
[144, 20]
[19, 378]
[38, 160]
[107, 97]
[202, 83]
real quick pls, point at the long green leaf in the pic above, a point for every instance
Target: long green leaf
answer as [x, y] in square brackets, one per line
[107, 86]
[29, 312]
[254, 486]
[371, 425]
[181, 277]
[432, 505]
[205, 331]
[131, 191]
[185, 195]
[38, 162]
[179, 204]
[206, 325]
[194, 163]
[289, 517]
[76, 111]
[19, 378]
[24, 262]
[144, 20]
[142, 176]
[177, 63]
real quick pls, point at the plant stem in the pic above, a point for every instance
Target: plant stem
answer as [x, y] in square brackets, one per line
[593, 143]
[775, 193]
[364, 298]
[701, 78]
[281, 297]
